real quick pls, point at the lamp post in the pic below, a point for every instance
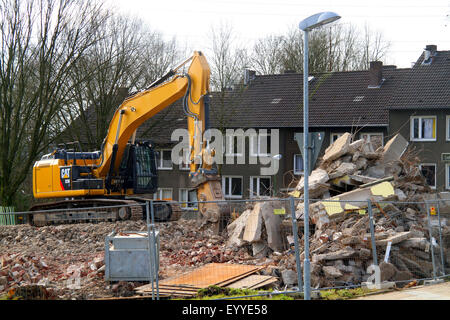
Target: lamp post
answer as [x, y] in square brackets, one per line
[307, 25]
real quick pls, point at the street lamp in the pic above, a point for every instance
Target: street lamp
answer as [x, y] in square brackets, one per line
[307, 25]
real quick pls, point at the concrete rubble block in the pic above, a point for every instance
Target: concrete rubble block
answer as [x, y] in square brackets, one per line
[397, 238]
[357, 199]
[339, 148]
[252, 231]
[416, 243]
[356, 146]
[394, 149]
[376, 171]
[344, 169]
[259, 249]
[361, 163]
[365, 253]
[351, 240]
[272, 222]
[387, 270]
[331, 272]
[289, 277]
[317, 183]
[345, 253]
[236, 230]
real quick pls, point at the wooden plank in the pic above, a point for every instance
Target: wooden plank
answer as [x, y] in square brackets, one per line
[231, 280]
[252, 281]
[210, 274]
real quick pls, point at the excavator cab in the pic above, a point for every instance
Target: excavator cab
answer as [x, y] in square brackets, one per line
[138, 170]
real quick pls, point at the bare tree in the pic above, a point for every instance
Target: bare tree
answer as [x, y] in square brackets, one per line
[127, 57]
[41, 41]
[267, 55]
[227, 62]
[333, 48]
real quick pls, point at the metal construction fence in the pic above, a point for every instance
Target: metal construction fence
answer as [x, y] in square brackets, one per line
[351, 243]
[7, 217]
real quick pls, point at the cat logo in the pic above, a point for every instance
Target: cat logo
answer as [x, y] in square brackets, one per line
[65, 173]
[65, 178]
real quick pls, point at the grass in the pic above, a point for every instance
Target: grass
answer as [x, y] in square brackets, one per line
[344, 294]
[215, 292]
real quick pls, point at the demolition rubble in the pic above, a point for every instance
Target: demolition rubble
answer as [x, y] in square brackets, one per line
[67, 261]
[348, 175]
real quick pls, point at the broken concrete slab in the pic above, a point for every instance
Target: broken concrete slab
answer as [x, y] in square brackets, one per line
[272, 223]
[317, 183]
[252, 231]
[344, 169]
[399, 237]
[357, 199]
[345, 253]
[236, 230]
[331, 272]
[394, 149]
[339, 148]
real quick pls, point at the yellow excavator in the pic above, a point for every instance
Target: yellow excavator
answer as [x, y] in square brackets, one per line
[111, 178]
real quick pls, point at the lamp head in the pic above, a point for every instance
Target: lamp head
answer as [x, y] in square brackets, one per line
[317, 20]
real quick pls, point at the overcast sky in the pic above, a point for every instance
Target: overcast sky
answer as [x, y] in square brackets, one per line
[408, 24]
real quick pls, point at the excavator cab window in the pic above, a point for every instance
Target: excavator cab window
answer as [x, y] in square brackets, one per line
[146, 178]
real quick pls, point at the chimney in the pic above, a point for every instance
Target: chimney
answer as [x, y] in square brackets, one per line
[430, 51]
[375, 74]
[249, 75]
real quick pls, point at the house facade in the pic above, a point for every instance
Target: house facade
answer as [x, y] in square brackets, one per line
[420, 111]
[340, 102]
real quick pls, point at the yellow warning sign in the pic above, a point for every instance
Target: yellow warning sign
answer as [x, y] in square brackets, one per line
[433, 211]
[279, 211]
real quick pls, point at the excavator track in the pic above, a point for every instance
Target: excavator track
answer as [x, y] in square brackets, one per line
[62, 212]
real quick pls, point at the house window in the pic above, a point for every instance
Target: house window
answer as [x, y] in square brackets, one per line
[298, 164]
[163, 194]
[447, 129]
[334, 137]
[447, 176]
[188, 199]
[185, 161]
[232, 187]
[423, 128]
[260, 187]
[375, 138]
[165, 160]
[260, 145]
[429, 172]
[232, 147]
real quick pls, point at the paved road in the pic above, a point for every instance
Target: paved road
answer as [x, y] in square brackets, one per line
[432, 292]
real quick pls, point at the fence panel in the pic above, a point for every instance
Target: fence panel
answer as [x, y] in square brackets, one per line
[5, 218]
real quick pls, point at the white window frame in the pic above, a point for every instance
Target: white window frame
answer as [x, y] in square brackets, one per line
[180, 200]
[411, 132]
[228, 194]
[229, 141]
[185, 163]
[161, 160]
[447, 128]
[339, 134]
[447, 171]
[158, 194]
[258, 183]
[295, 162]
[435, 172]
[258, 147]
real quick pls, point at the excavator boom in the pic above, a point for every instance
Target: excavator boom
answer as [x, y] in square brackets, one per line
[116, 169]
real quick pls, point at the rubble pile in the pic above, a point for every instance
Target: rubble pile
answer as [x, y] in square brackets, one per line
[68, 260]
[349, 174]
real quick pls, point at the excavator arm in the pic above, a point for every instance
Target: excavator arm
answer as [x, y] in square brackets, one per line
[58, 175]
